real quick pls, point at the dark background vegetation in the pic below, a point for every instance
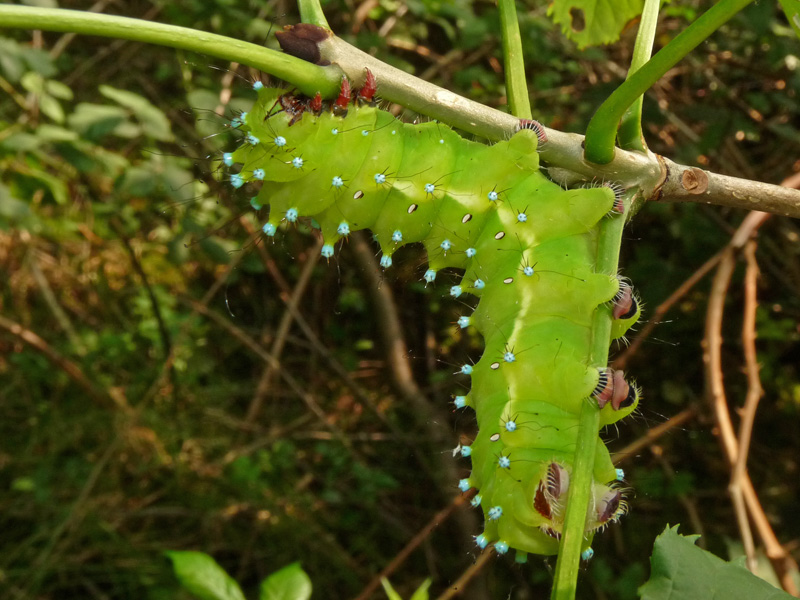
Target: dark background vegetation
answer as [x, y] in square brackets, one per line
[165, 435]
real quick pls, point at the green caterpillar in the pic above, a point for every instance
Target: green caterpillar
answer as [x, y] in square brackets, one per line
[528, 250]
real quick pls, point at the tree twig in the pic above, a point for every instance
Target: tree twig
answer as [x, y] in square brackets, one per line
[461, 584]
[660, 312]
[754, 393]
[745, 494]
[652, 434]
[72, 370]
[292, 303]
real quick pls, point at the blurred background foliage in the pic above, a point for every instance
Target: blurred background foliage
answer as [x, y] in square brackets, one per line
[139, 314]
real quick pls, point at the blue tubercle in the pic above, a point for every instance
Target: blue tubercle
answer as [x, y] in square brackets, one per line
[291, 215]
[297, 162]
[397, 236]
[501, 547]
[476, 501]
[335, 131]
[446, 245]
[511, 426]
[471, 252]
[587, 554]
[280, 141]
[528, 271]
[492, 196]
[620, 475]
[456, 291]
[258, 85]
[386, 261]
[495, 513]
[343, 229]
[464, 485]
[237, 181]
[460, 401]
[252, 140]
[466, 451]
[504, 462]
[365, 132]
[482, 541]
[509, 357]
[430, 276]
[479, 284]
[380, 178]
[327, 251]
[227, 158]
[466, 369]
[259, 174]
[337, 182]
[429, 188]
[522, 217]
[269, 229]
[463, 322]
[255, 204]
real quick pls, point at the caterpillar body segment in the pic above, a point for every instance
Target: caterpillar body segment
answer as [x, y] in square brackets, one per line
[528, 250]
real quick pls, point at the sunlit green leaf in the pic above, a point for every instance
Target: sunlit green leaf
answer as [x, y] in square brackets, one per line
[390, 592]
[683, 571]
[290, 583]
[154, 123]
[202, 577]
[792, 10]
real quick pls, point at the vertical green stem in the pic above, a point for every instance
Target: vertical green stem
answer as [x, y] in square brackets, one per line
[602, 130]
[580, 486]
[516, 86]
[311, 12]
[630, 135]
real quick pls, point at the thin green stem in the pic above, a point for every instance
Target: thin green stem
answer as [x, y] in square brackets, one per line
[516, 86]
[308, 78]
[630, 135]
[580, 485]
[602, 130]
[311, 12]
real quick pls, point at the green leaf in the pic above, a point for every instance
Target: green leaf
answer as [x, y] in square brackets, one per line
[57, 187]
[792, 10]
[12, 208]
[154, 123]
[682, 571]
[54, 133]
[387, 587]
[422, 591]
[58, 89]
[202, 577]
[593, 22]
[93, 121]
[51, 107]
[290, 583]
[420, 594]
